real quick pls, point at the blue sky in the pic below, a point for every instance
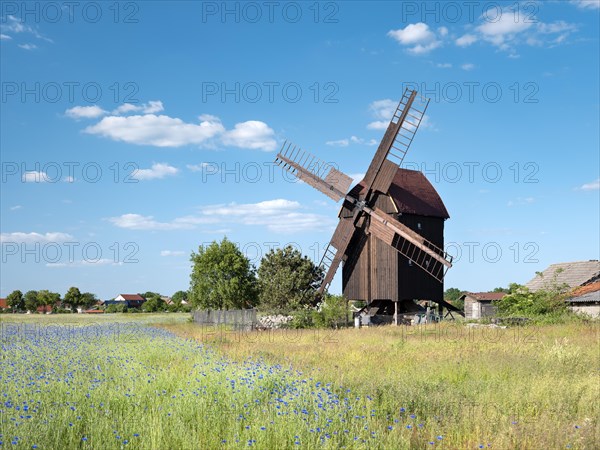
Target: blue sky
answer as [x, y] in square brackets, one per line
[131, 135]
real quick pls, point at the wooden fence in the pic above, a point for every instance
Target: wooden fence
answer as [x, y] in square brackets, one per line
[238, 319]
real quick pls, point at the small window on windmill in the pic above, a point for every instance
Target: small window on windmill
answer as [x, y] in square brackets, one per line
[419, 225]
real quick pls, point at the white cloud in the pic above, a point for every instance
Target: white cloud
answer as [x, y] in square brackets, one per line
[172, 253]
[252, 134]
[378, 125]
[466, 40]
[87, 263]
[5, 37]
[418, 37]
[467, 66]
[521, 201]
[338, 143]
[153, 106]
[414, 33]
[85, 112]
[280, 215]
[165, 131]
[27, 46]
[30, 238]
[586, 4]
[14, 208]
[69, 179]
[383, 110]
[157, 171]
[158, 131]
[11, 24]
[34, 177]
[214, 168]
[593, 186]
[140, 222]
[444, 65]
[351, 140]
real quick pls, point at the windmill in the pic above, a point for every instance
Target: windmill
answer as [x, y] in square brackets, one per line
[379, 250]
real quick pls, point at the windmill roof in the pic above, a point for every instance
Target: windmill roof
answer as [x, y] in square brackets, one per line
[573, 274]
[412, 193]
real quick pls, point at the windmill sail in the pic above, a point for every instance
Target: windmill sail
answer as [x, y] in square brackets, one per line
[396, 141]
[334, 253]
[321, 175]
[412, 245]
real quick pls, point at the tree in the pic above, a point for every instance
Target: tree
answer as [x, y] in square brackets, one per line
[453, 295]
[501, 289]
[287, 280]
[73, 298]
[222, 277]
[31, 300]
[179, 297]
[148, 295]
[88, 299]
[153, 304]
[15, 300]
[47, 298]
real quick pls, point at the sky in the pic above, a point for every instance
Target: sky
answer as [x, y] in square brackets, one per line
[131, 133]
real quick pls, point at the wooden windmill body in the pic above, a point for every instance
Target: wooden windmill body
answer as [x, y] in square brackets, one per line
[390, 233]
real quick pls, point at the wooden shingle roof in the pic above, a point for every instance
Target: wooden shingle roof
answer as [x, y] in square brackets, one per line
[412, 193]
[573, 274]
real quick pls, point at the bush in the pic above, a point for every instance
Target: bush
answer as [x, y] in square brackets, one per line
[332, 312]
[303, 318]
[116, 309]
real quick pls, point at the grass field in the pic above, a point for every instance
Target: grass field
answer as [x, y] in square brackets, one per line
[114, 381]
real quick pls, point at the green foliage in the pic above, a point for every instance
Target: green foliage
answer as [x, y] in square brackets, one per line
[116, 308]
[47, 298]
[332, 312]
[87, 300]
[287, 280]
[73, 298]
[501, 289]
[222, 277]
[154, 304]
[16, 301]
[31, 300]
[179, 296]
[452, 295]
[149, 295]
[521, 302]
[303, 318]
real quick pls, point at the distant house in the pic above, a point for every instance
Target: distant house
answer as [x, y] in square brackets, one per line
[44, 309]
[481, 304]
[571, 274]
[3, 303]
[130, 300]
[586, 299]
[169, 301]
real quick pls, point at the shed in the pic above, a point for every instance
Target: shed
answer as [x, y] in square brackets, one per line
[3, 303]
[586, 300]
[481, 304]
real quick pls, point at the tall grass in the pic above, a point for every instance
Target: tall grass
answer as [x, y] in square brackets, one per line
[123, 384]
[519, 387]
